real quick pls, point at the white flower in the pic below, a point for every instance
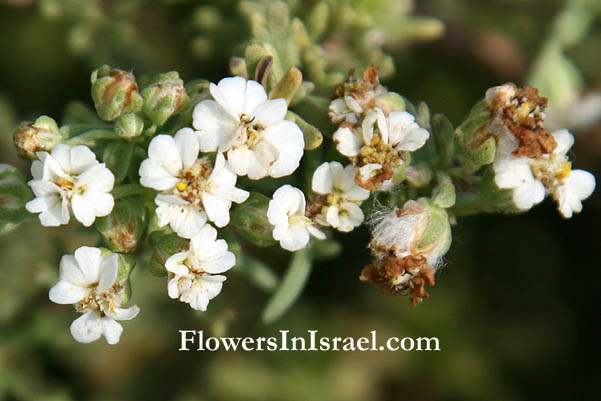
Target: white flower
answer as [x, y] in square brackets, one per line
[345, 109]
[191, 190]
[70, 179]
[286, 213]
[88, 280]
[532, 178]
[380, 145]
[250, 128]
[344, 196]
[194, 274]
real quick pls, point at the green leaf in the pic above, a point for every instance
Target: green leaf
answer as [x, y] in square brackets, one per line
[250, 220]
[258, 273]
[292, 285]
[444, 194]
[117, 157]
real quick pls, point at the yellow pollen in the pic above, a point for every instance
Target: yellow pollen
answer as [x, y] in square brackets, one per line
[524, 110]
[565, 170]
[182, 185]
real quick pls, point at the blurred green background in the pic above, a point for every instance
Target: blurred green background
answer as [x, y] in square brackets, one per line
[516, 308]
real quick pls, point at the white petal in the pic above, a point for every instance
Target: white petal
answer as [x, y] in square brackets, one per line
[109, 267]
[111, 330]
[527, 195]
[125, 313]
[175, 263]
[61, 155]
[154, 175]
[295, 238]
[270, 113]
[291, 199]
[350, 190]
[101, 203]
[287, 137]
[162, 149]
[230, 93]
[64, 293]
[324, 176]
[564, 140]
[89, 259]
[239, 159]
[413, 140]
[367, 127]
[97, 177]
[216, 128]
[70, 271]
[217, 210]
[87, 328]
[187, 145]
[347, 142]
[81, 159]
[188, 221]
[316, 232]
[382, 125]
[54, 210]
[254, 96]
[580, 184]
[83, 210]
[399, 123]
[264, 155]
[511, 173]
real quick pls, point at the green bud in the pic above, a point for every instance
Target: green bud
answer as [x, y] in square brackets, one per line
[238, 67]
[313, 137]
[493, 199]
[41, 135]
[436, 237]
[419, 175]
[14, 193]
[121, 230]
[444, 194]
[129, 125]
[127, 263]
[115, 92]
[483, 153]
[288, 85]
[164, 244]
[250, 220]
[164, 97]
[467, 130]
[391, 101]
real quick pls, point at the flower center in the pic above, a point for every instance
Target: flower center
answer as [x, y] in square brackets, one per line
[194, 181]
[378, 152]
[104, 301]
[551, 171]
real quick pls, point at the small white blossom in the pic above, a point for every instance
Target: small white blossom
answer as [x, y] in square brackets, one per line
[533, 178]
[286, 213]
[70, 179]
[194, 274]
[380, 143]
[191, 190]
[88, 280]
[343, 195]
[243, 122]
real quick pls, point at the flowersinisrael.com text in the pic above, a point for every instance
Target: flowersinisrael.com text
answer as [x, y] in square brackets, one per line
[192, 340]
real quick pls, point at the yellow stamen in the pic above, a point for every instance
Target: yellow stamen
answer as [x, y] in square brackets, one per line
[182, 185]
[565, 171]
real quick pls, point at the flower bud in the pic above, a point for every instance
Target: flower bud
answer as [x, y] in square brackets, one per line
[165, 244]
[127, 263]
[41, 135]
[115, 92]
[164, 97]
[250, 220]
[129, 125]
[122, 229]
[408, 245]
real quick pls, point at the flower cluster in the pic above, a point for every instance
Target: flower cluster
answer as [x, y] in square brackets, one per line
[374, 136]
[529, 161]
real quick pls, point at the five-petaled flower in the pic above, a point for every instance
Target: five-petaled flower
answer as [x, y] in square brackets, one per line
[243, 122]
[530, 179]
[286, 213]
[341, 196]
[89, 280]
[194, 275]
[191, 190]
[70, 179]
